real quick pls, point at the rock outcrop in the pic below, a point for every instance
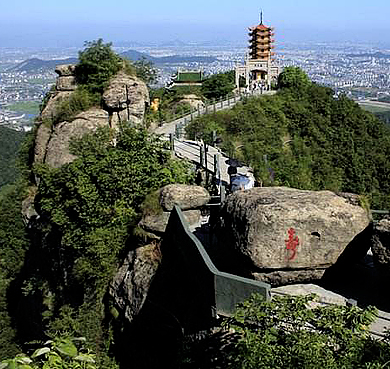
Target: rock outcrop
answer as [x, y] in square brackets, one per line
[189, 198]
[157, 223]
[283, 235]
[380, 245]
[131, 283]
[57, 148]
[124, 100]
[185, 196]
[130, 286]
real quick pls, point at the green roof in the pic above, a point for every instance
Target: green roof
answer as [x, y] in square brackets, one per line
[189, 77]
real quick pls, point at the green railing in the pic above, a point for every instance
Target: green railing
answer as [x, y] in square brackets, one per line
[220, 292]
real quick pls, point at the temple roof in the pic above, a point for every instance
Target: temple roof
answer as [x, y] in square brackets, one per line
[260, 27]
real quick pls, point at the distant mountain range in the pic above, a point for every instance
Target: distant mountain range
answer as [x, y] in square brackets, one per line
[35, 64]
[173, 59]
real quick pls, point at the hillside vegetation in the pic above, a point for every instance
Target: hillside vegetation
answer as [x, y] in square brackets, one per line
[54, 274]
[10, 141]
[304, 137]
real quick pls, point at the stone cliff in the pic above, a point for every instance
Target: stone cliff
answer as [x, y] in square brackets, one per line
[124, 100]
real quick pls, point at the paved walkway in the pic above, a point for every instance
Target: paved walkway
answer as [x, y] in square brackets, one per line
[170, 127]
[191, 150]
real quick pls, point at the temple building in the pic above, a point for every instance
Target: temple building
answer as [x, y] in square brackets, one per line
[187, 78]
[260, 68]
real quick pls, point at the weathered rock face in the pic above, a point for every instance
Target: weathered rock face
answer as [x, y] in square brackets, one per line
[158, 222]
[380, 245]
[65, 70]
[283, 277]
[51, 107]
[286, 229]
[125, 99]
[185, 196]
[57, 149]
[66, 83]
[131, 283]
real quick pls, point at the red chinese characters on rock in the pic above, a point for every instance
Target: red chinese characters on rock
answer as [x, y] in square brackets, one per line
[292, 243]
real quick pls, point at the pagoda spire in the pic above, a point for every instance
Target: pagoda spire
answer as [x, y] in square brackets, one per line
[261, 16]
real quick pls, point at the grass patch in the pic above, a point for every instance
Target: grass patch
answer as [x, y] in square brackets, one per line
[27, 107]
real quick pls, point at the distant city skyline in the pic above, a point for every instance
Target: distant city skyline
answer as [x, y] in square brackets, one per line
[55, 24]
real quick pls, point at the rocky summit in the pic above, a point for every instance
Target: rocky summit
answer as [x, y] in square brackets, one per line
[124, 100]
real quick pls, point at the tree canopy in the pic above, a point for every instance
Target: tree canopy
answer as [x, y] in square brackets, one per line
[293, 77]
[10, 141]
[306, 138]
[146, 71]
[97, 64]
[218, 85]
[286, 333]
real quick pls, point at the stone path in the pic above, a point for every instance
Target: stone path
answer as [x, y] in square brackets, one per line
[190, 150]
[326, 297]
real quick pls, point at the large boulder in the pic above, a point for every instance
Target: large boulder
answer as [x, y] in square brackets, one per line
[125, 99]
[278, 228]
[157, 223]
[40, 144]
[184, 196]
[57, 148]
[193, 100]
[380, 245]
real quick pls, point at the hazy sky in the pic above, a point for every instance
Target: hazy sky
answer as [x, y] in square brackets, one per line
[70, 22]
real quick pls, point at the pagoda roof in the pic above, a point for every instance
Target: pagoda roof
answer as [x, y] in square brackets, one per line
[260, 27]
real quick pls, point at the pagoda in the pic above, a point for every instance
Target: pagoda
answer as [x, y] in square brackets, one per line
[260, 68]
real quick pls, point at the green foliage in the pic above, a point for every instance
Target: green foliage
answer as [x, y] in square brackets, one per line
[146, 71]
[25, 156]
[286, 333]
[10, 141]
[88, 210]
[170, 105]
[293, 77]
[97, 64]
[96, 198]
[80, 100]
[306, 139]
[218, 85]
[60, 353]
[13, 246]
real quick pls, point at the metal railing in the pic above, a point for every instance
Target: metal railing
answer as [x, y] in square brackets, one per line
[212, 106]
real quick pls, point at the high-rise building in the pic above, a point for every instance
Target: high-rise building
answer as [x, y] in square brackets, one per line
[260, 68]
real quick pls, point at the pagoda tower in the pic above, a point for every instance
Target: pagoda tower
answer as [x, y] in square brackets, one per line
[260, 68]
